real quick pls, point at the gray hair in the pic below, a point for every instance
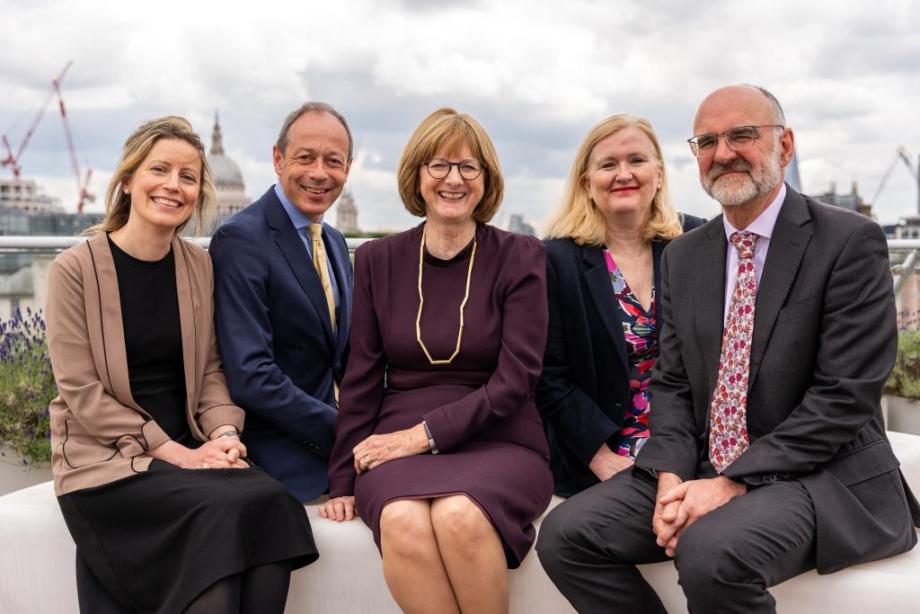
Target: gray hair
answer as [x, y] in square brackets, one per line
[778, 115]
[312, 107]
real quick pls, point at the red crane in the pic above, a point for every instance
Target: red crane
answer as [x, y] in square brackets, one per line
[12, 159]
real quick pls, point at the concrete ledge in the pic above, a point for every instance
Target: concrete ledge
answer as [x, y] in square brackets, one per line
[37, 568]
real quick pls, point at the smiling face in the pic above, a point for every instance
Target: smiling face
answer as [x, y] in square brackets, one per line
[624, 173]
[314, 166]
[453, 198]
[164, 188]
[752, 176]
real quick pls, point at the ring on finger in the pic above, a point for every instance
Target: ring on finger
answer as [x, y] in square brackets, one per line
[366, 461]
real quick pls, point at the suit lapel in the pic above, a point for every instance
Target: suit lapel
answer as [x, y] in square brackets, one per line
[597, 281]
[289, 242]
[710, 299]
[657, 250]
[787, 247]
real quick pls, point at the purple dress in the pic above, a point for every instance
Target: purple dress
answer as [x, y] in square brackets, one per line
[480, 408]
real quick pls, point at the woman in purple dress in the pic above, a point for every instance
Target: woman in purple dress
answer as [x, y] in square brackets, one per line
[439, 446]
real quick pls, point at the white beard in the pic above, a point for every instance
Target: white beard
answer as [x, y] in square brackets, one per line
[738, 189]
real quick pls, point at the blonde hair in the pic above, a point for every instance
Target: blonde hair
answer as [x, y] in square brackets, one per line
[135, 151]
[578, 217]
[453, 129]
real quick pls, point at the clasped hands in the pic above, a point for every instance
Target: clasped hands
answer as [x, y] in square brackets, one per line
[218, 453]
[679, 504]
[370, 454]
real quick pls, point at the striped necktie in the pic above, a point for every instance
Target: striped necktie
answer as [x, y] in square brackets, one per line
[319, 263]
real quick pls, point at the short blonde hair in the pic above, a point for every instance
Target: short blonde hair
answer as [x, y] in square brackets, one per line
[578, 217]
[449, 127]
[135, 151]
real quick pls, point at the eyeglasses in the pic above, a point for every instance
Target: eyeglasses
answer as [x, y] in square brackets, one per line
[738, 139]
[439, 168]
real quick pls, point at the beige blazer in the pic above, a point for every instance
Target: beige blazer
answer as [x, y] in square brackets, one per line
[99, 434]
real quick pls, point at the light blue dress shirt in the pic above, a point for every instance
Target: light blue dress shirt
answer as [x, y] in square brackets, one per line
[302, 224]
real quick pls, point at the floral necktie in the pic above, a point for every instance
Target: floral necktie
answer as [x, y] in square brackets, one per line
[728, 434]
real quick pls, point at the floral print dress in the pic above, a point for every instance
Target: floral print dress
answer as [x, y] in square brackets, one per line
[641, 335]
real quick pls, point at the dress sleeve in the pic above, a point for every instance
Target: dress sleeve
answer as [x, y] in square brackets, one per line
[102, 416]
[522, 288]
[215, 408]
[363, 386]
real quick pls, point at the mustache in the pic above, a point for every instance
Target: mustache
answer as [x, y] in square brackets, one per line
[737, 165]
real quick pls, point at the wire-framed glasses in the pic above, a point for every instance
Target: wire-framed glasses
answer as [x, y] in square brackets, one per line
[738, 138]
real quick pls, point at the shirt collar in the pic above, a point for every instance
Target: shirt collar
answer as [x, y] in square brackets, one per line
[763, 224]
[298, 217]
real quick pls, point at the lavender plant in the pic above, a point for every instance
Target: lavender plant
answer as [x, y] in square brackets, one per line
[26, 387]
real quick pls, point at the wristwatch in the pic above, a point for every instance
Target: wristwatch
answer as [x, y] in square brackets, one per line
[431, 445]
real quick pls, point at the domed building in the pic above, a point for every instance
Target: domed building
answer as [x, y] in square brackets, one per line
[228, 180]
[346, 215]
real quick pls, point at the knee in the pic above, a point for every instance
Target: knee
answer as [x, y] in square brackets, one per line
[553, 538]
[705, 561]
[460, 522]
[405, 528]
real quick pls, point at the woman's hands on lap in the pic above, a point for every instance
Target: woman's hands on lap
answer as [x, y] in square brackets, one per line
[220, 453]
[378, 449]
[370, 454]
[339, 509]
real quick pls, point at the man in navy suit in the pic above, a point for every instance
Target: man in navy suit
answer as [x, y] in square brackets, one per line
[282, 327]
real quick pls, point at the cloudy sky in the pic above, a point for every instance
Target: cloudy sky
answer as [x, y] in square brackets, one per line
[536, 73]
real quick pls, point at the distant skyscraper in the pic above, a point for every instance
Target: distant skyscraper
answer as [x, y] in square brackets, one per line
[516, 223]
[346, 215]
[25, 195]
[792, 173]
[228, 180]
[852, 201]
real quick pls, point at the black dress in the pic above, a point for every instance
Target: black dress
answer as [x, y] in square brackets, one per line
[156, 540]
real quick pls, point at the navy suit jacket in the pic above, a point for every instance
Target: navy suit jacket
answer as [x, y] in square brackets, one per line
[280, 353]
[584, 387]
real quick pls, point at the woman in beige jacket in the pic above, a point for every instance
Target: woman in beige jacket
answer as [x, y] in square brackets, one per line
[148, 467]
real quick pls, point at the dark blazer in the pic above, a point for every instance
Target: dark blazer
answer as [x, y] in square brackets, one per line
[280, 352]
[824, 342]
[584, 387]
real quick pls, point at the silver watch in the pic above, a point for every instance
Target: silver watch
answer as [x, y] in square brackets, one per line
[431, 445]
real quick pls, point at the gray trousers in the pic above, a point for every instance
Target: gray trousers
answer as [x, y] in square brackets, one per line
[590, 546]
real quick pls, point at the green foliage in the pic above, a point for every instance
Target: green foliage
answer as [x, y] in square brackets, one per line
[904, 380]
[26, 387]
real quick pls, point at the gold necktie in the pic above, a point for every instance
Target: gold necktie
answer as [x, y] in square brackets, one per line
[319, 262]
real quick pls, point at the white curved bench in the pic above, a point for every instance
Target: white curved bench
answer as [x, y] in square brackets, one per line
[37, 568]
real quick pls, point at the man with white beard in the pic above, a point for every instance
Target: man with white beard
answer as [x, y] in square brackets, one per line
[768, 455]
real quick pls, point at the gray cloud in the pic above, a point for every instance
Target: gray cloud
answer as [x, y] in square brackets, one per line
[536, 73]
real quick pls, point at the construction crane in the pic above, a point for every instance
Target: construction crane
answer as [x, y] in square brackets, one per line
[900, 157]
[12, 159]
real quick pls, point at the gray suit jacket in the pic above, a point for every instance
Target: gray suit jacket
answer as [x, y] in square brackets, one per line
[824, 342]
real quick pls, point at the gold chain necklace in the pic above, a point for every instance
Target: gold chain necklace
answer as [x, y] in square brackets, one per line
[421, 303]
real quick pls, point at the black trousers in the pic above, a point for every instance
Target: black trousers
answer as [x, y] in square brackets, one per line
[590, 546]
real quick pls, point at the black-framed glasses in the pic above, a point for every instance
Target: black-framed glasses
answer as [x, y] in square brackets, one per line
[738, 138]
[439, 168]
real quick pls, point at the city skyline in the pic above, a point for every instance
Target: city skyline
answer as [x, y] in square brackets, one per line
[536, 74]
